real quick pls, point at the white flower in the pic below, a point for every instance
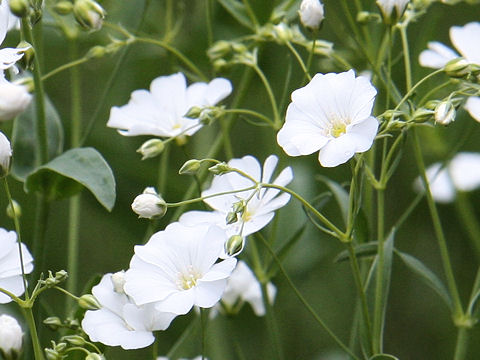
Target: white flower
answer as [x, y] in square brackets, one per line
[10, 266]
[332, 113]
[243, 286]
[464, 40]
[177, 269]
[8, 56]
[387, 6]
[120, 322]
[10, 337]
[149, 204]
[260, 206]
[8, 21]
[5, 155]
[161, 111]
[14, 99]
[473, 107]
[461, 174]
[311, 13]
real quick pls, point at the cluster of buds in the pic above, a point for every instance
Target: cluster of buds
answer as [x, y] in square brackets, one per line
[220, 169]
[149, 204]
[461, 68]
[54, 323]
[54, 280]
[88, 13]
[206, 114]
[59, 351]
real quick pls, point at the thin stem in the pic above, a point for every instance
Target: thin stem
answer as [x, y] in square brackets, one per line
[181, 339]
[268, 88]
[37, 348]
[208, 15]
[63, 67]
[412, 90]
[312, 50]
[169, 16]
[442, 243]
[250, 12]
[175, 52]
[299, 59]
[201, 198]
[406, 56]
[304, 301]
[462, 343]
[467, 216]
[250, 112]
[203, 321]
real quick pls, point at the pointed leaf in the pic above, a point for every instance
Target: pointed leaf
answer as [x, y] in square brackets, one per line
[427, 276]
[363, 250]
[24, 139]
[238, 11]
[341, 195]
[65, 175]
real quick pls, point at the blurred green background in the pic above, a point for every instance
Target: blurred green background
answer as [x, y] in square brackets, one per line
[418, 324]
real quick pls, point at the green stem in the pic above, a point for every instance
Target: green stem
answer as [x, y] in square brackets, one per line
[203, 321]
[181, 339]
[208, 15]
[37, 348]
[63, 67]
[250, 112]
[304, 301]
[276, 116]
[412, 90]
[406, 56]
[462, 343]
[250, 12]
[467, 216]
[169, 16]
[299, 59]
[442, 243]
[74, 202]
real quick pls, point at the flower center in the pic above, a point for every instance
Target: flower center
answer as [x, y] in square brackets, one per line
[338, 129]
[188, 279]
[176, 126]
[247, 215]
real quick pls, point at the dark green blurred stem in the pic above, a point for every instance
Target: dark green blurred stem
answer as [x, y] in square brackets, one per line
[462, 343]
[39, 246]
[466, 214]
[189, 330]
[276, 116]
[437, 225]
[169, 16]
[304, 301]
[406, 56]
[299, 60]
[37, 348]
[208, 15]
[203, 322]
[74, 202]
[250, 12]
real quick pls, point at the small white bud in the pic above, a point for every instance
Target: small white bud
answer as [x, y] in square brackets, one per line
[14, 99]
[151, 148]
[392, 10]
[234, 245]
[149, 205]
[5, 155]
[10, 337]
[89, 14]
[445, 113]
[14, 212]
[118, 281]
[311, 13]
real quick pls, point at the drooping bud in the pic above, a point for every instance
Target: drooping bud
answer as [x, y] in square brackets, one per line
[88, 302]
[231, 218]
[76, 340]
[194, 112]
[19, 7]
[28, 53]
[14, 99]
[445, 113]
[149, 204]
[96, 52]
[422, 115]
[5, 155]
[53, 322]
[151, 148]
[14, 212]
[89, 14]
[190, 167]
[220, 169]
[458, 68]
[234, 245]
[10, 337]
[311, 13]
[95, 356]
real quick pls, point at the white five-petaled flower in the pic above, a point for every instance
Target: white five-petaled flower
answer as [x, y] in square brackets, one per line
[387, 6]
[120, 322]
[332, 113]
[462, 173]
[177, 269]
[243, 286]
[464, 38]
[260, 205]
[10, 337]
[10, 265]
[311, 13]
[161, 111]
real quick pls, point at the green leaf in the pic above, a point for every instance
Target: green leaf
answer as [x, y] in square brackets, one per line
[65, 175]
[383, 357]
[340, 194]
[363, 250]
[24, 139]
[238, 11]
[428, 277]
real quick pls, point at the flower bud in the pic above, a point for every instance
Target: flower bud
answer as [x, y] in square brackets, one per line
[61, 276]
[392, 10]
[63, 7]
[53, 354]
[311, 13]
[10, 337]
[14, 212]
[14, 99]
[88, 302]
[220, 169]
[95, 356]
[5, 155]
[53, 322]
[96, 52]
[19, 7]
[151, 148]
[194, 112]
[445, 113]
[458, 68]
[28, 53]
[190, 167]
[76, 340]
[234, 245]
[231, 218]
[89, 14]
[118, 281]
[149, 205]
[422, 115]
[219, 49]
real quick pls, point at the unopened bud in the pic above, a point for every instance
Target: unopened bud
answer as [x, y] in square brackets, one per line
[53, 322]
[60, 347]
[14, 212]
[445, 113]
[220, 169]
[88, 302]
[89, 14]
[311, 13]
[234, 245]
[457, 68]
[151, 148]
[15, 99]
[118, 281]
[76, 340]
[96, 52]
[63, 7]
[422, 115]
[190, 167]
[53, 354]
[10, 337]
[239, 207]
[194, 112]
[149, 204]
[61, 276]
[95, 356]
[231, 218]
[219, 49]
[28, 53]
[392, 10]
[5, 155]
[19, 7]
[220, 64]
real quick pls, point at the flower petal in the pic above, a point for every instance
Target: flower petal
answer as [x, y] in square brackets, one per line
[465, 39]
[473, 107]
[437, 55]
